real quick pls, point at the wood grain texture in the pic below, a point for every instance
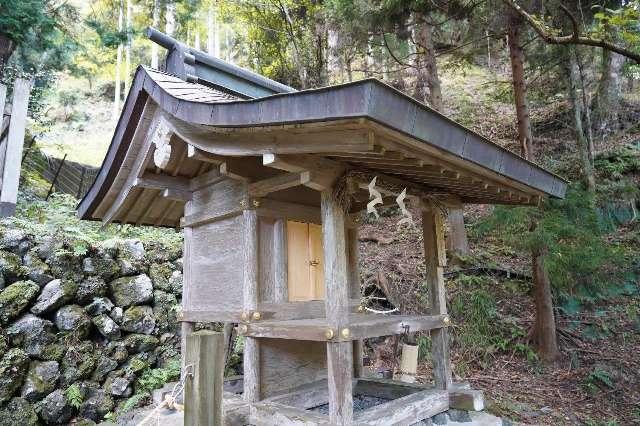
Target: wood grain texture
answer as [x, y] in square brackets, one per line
[361, 326]
[217, 280]
[280, 262]
[339, 355]
[274, 414]
[287, 364]
[14, 145]
[251, 358]
[203, 390]
[435, 260]
[407, 410]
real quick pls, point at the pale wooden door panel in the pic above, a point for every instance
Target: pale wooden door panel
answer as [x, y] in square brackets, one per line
[316, 261]
[298, 262]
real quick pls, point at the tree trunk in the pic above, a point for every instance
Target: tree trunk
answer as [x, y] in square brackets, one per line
[544, 329]
[117, 92]
[213, 33]
[154, 46]
[170, 18]
[127, 49]
[586, 109]
[7, 47]
[426, 66]
[607, 102]
[571, 69]
[516, 55]
[545, 326]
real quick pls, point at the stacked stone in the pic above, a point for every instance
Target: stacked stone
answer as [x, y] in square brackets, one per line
[94, 321]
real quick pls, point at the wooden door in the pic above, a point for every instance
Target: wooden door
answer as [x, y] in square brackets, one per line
[305, 261]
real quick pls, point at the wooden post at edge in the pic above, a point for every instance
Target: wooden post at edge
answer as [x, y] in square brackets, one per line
[339, 354]
[203, 387]
[435, 260]
[15, 142]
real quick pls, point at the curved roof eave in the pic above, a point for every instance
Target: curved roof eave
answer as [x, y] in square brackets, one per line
[369, 99]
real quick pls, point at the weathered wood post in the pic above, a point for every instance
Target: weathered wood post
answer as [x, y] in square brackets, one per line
[457, 239]
[15, 142]
[251, 355]
[339, 354]
[353, 259]
[435, 261]
[203, 386]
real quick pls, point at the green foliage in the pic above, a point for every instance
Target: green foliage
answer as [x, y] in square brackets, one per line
[57, 216]
[133, 402]
[74, 395]
[580, 261]
[616, 163]
[480, 330]
[154, 378]
[596, 380]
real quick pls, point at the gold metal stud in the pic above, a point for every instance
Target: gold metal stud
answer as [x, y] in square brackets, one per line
[242, 329]
[243, 204]
[361, 309]
[256, 203]
[244, 316]
[446, 320]
[345, 333]
[328, 334]
[256, 316]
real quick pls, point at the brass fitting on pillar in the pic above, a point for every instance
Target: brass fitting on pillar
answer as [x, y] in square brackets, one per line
[242, 329]
[256, 316]
[446, 320]
[345, 333]
[244, 316]
[329, 333]
[256, 203]
[360, 309]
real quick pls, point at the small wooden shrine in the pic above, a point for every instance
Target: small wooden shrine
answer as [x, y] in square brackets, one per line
[268, 184]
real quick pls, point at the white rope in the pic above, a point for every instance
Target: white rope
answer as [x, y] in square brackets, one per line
[170, 400]
[375, 311]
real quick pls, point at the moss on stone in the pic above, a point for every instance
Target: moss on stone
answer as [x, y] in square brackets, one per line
[15, 298]
[13, 368]
[18, 412]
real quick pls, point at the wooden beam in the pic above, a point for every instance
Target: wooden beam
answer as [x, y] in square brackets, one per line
[278, 183]
[177, 195]
[339, 355]
[15, 142]
[323, 172]
[251, 360]
[211, 177]
[278, 142]
[274, 414]
[466, 399]
[435, 261]
[285, 210]
[407, 410]
[203, 388]
[198, 154]
[161, 182]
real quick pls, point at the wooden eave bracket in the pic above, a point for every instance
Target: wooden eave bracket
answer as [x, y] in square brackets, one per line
[278, 183]
[322, 173]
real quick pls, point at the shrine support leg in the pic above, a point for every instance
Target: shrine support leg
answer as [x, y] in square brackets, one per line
[339, 354]
[435, 259]
[251, 359]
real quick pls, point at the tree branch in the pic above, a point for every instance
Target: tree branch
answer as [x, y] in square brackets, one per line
[574, 38]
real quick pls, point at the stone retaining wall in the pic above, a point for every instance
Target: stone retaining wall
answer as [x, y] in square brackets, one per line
[79, 327]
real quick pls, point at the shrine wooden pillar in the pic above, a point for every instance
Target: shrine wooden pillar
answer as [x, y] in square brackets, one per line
[251, 355]
[435, 261]
[339, 354]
